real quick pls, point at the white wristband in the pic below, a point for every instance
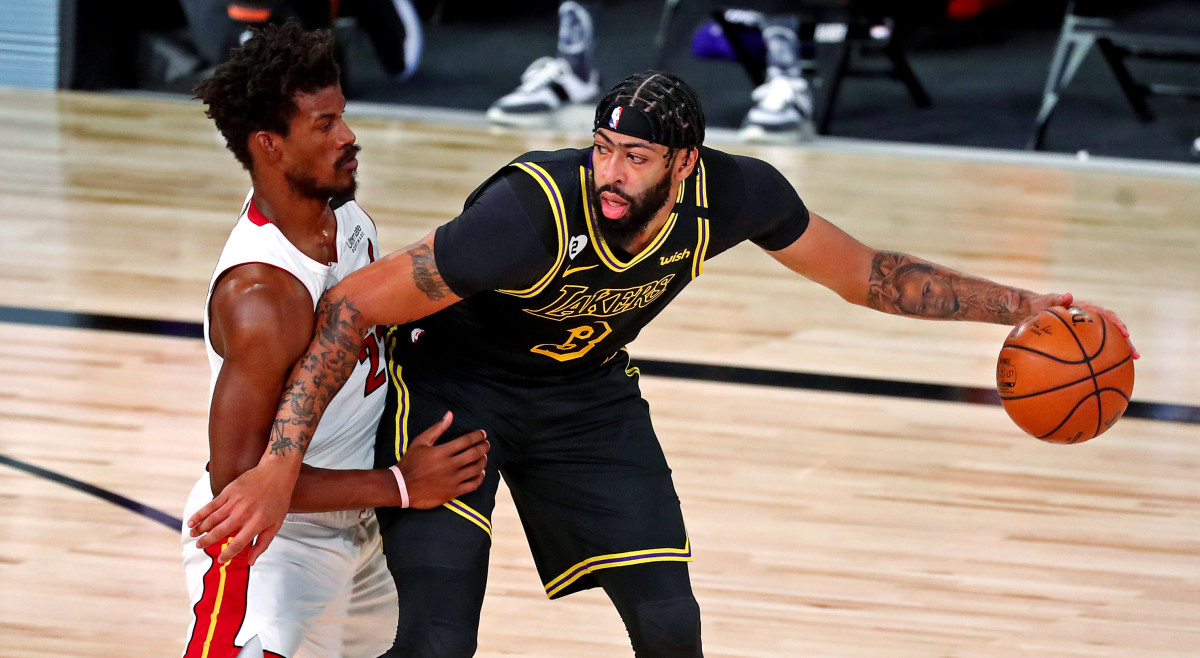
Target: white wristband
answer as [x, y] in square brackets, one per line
[395, 469]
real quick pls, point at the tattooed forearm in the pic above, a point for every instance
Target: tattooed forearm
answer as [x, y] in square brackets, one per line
[425, 273]
[318, 375]
[281, 444]
[904, 285]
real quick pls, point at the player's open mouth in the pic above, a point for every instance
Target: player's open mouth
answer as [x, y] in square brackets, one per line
[612, 205]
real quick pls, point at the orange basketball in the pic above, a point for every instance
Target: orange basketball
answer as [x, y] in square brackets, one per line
[1065, 375]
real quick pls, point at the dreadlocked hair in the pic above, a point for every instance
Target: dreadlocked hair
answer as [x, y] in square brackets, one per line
[255, 89]
[670, 104]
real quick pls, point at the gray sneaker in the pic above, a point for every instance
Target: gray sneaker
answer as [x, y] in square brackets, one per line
[546, 86]
[782, 111]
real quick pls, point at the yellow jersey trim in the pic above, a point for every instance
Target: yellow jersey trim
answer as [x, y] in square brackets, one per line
[402, 398]
[701, 246]
[467, 512]
[560, 225]
[592, 564]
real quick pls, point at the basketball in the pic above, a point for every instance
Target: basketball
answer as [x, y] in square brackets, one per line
[1065, 375]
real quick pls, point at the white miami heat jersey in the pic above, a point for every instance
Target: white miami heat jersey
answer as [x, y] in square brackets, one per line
[345, 437]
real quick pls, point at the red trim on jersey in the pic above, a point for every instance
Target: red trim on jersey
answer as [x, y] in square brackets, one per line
[370, 251]
[222, 607]
[255, 215]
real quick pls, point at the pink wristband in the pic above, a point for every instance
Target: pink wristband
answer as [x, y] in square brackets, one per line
[395, 469]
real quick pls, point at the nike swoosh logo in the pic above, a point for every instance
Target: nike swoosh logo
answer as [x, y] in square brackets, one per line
[571, 270]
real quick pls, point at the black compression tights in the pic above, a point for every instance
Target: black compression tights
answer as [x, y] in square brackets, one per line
[656, 603]
[440, 597]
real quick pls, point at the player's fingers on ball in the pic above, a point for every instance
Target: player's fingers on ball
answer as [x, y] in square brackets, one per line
[1120, 325]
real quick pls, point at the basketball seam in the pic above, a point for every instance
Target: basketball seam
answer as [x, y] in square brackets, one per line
[1081, 401]
[1069, 384]
[1041, 353]
[1087, 361]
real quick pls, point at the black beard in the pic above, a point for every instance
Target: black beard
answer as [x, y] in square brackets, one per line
[642, 209]
[307, 187]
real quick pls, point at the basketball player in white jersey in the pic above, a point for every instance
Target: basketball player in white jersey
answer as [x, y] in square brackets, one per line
[322, 589]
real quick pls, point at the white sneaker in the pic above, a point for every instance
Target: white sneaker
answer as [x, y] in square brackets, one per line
[546, 86]
[782, 111]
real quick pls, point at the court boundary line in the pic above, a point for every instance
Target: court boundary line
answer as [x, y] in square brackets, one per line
[707, 372]
[117, 499]
[695, 371]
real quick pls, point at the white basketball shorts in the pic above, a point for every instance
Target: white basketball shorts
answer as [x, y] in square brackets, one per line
[320, 590]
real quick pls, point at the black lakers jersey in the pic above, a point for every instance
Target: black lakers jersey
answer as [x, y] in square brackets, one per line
[545, 295]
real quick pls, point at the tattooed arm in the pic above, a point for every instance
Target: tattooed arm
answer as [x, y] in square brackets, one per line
[401, 287]
[904, 285]
[260, 322]
[897, 283]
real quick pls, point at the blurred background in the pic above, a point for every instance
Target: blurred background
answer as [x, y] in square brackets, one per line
[984, 64]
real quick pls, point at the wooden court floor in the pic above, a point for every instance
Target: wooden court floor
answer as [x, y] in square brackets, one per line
[823, 524]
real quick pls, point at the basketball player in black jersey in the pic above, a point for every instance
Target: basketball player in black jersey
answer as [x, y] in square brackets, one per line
[516, 313]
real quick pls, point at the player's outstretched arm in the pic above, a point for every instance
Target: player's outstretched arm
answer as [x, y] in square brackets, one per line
[902, 284]
[401, 287]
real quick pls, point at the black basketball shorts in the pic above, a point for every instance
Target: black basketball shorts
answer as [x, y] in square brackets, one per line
[580, 458]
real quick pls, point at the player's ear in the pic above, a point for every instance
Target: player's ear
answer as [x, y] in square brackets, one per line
[686, 162]
[266, 144]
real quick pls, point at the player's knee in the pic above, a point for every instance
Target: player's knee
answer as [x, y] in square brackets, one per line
[667, 628]
[437, 638]
[439, 611]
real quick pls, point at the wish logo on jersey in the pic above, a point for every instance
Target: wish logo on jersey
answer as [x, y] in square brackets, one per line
[578, 301]
[677, 256]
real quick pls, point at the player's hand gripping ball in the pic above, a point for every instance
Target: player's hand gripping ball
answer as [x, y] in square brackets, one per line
[1065, 375]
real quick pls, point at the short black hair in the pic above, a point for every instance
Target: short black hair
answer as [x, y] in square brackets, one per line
[670, 104]
[255, 89]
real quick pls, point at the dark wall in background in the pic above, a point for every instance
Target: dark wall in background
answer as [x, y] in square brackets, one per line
[985, 73]
[99, 39]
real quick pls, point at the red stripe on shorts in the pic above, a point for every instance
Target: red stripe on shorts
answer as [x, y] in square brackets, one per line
[222, 607]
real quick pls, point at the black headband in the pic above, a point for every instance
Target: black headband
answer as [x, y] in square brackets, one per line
[629, 120]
